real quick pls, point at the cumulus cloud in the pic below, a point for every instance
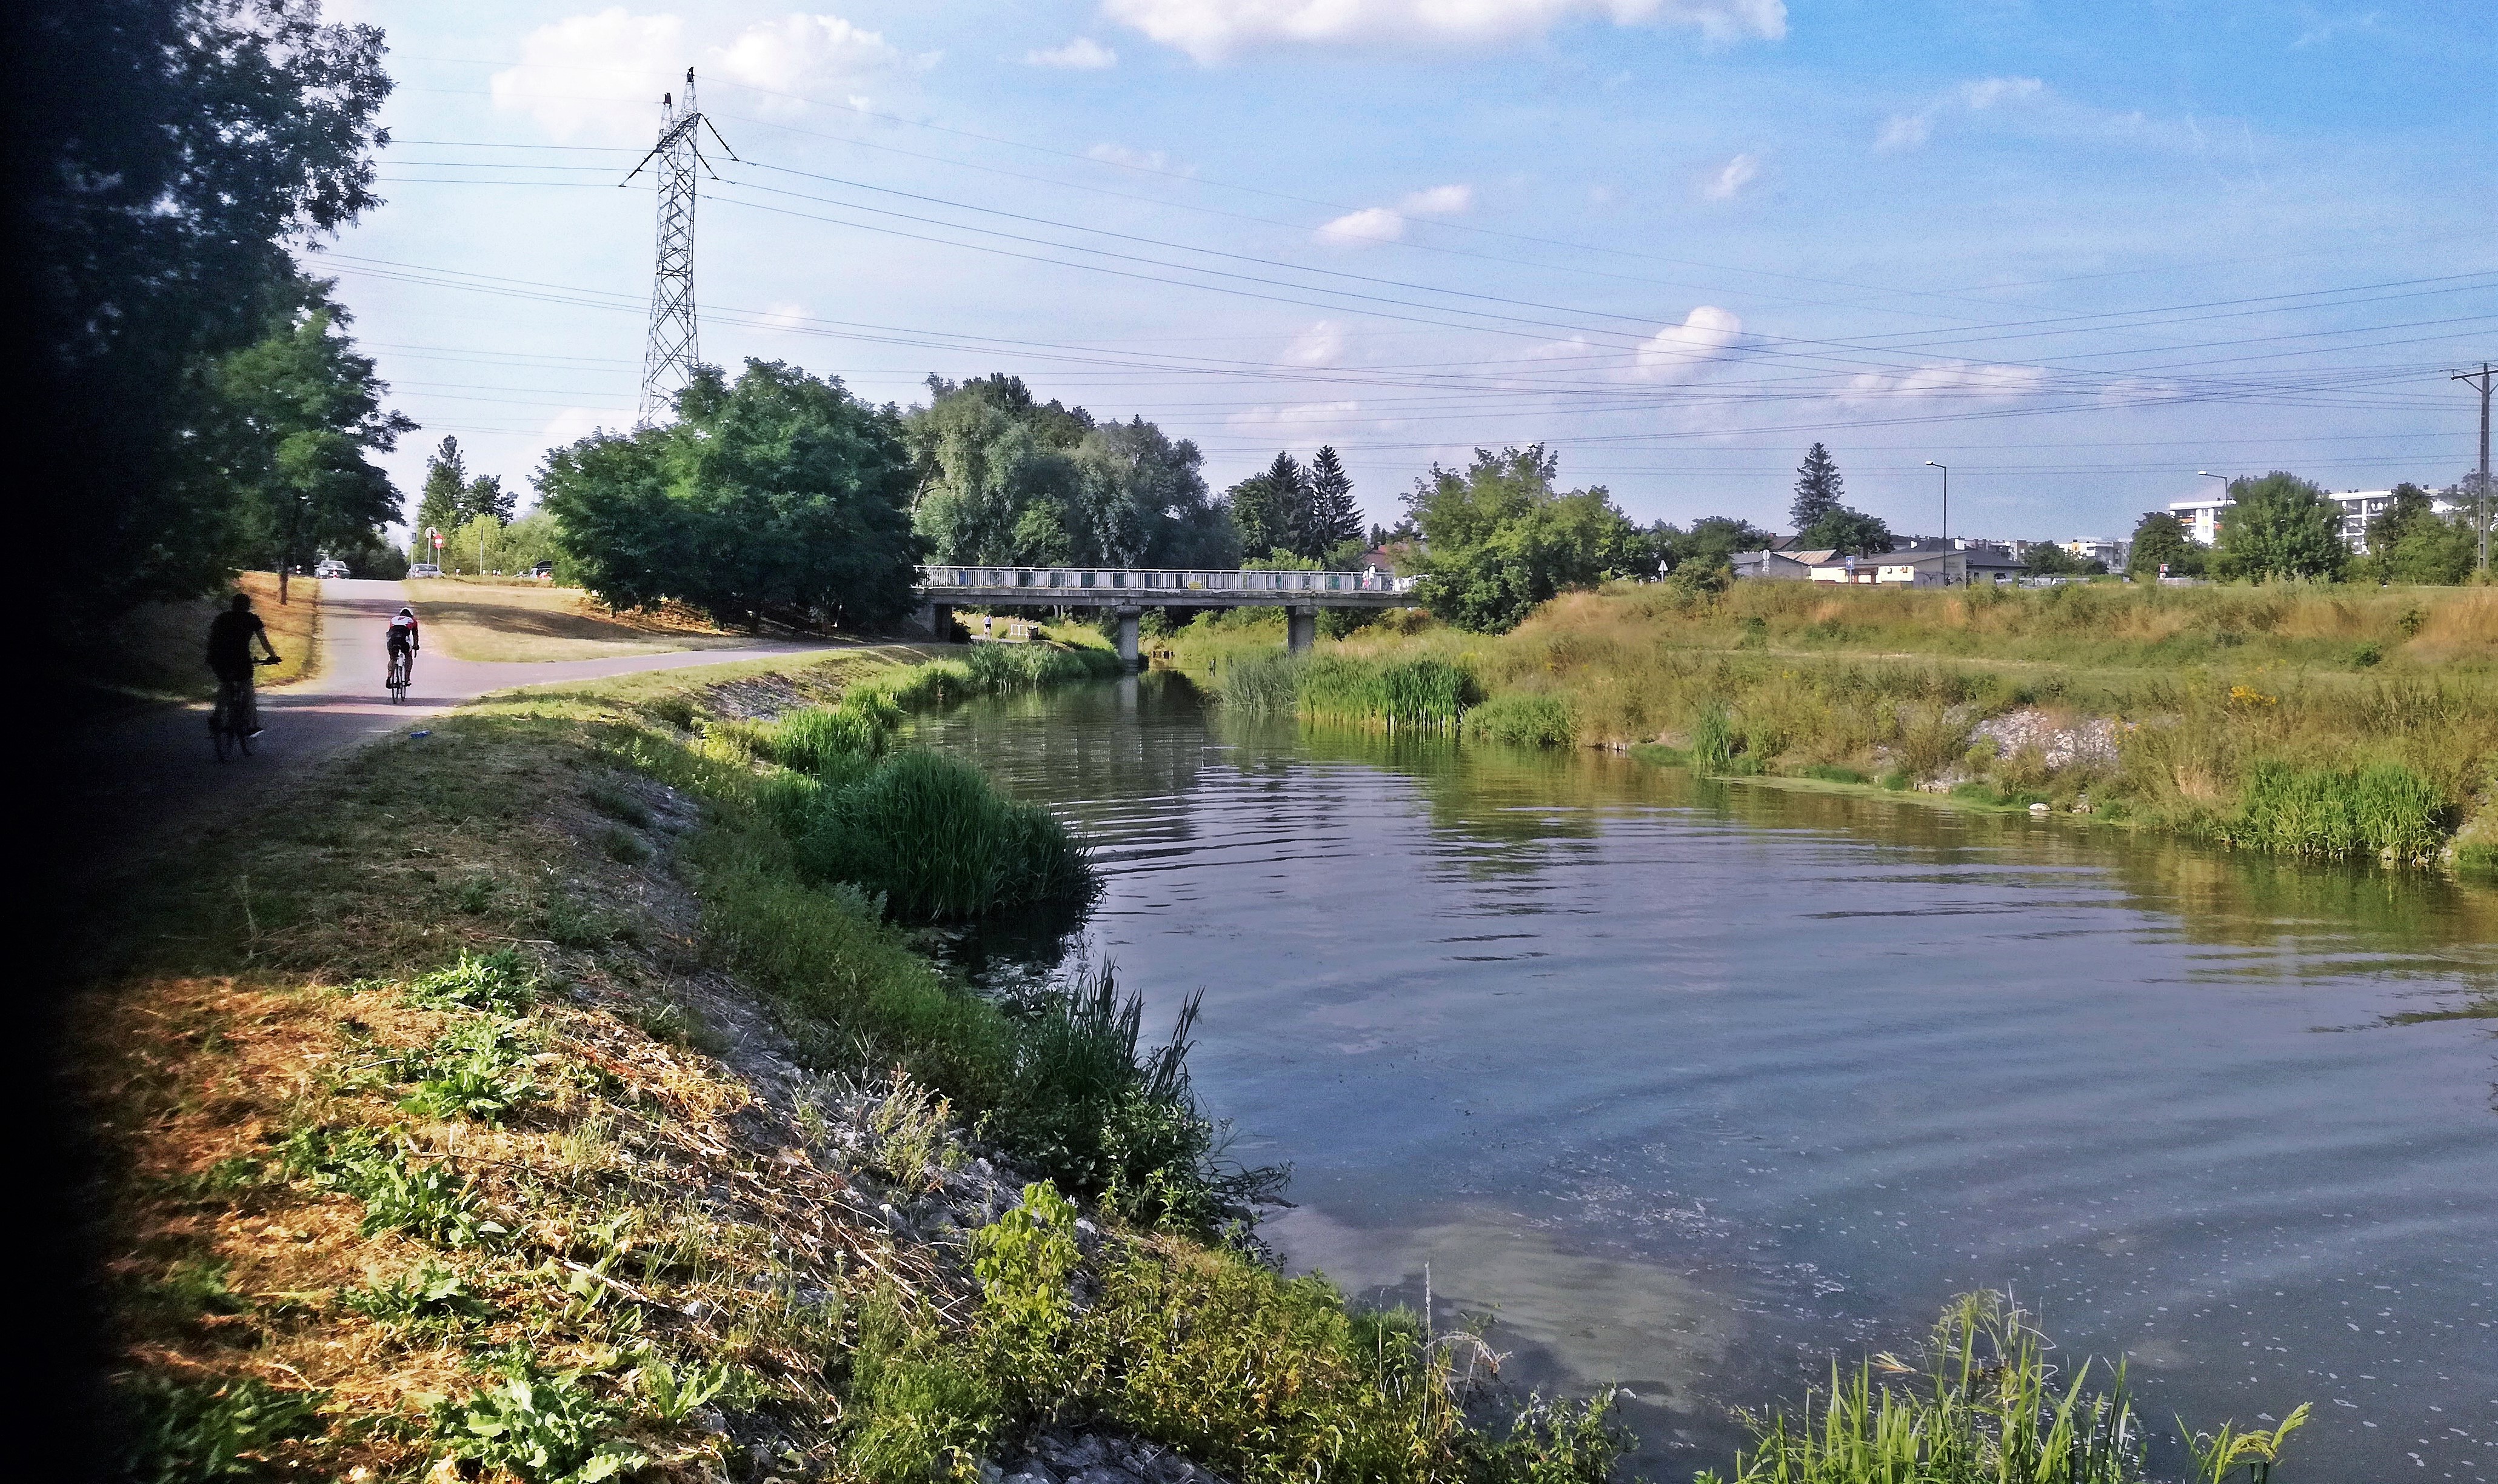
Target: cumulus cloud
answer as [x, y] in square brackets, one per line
[1212, 30]
[1387, 224]
[1371, 224]
[1322, 344]
[1907, 131]
[600, 75]
[1684, 350]
[1946, 378]
[1740, 172]
[1082, 54]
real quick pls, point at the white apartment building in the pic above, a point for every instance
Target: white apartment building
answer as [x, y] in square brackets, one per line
[2202, 515]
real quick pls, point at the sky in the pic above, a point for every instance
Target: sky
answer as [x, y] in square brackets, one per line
[2077, 254]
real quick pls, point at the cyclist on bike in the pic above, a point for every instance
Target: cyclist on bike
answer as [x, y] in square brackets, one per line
[230, 639]
[400, 644]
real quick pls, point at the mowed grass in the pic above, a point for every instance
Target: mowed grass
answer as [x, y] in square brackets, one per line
[485, 619]
[157, 651]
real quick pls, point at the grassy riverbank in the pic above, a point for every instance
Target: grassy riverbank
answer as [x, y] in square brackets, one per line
[2311, 721]
[524, 1100]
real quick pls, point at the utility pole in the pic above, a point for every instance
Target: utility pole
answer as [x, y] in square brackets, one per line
[669, 352]
[2480, 382]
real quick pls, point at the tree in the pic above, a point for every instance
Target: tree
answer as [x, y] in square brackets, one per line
[1847, 531]
[2433, 549]
[1818, 491]
[2047, 558]
[1336, 519]
[294, 418]
[1711, 541]
[486, 499]
[1498, 540]
[446, 491]
[2410, 505]
[2161, 539]
[1269, 508]
[183, 147]
[2278, 527]
[779, 491]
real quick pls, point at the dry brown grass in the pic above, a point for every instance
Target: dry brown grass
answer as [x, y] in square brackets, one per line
[490, 620]
[155, 651]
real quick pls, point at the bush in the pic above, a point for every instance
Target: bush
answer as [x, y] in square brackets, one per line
[1522, 720]
[937, 839]
[2382, 809]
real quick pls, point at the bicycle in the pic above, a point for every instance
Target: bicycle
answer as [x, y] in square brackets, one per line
[397, 680]
[228, 719]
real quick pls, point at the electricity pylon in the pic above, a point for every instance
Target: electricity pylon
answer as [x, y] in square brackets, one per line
[669, 353]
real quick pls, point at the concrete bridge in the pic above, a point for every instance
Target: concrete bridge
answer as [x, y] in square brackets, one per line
[1127, 591]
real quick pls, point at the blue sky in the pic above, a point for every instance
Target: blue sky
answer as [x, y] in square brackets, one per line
[2076, 253]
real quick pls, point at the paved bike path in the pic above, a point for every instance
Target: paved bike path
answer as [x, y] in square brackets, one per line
[157, 776]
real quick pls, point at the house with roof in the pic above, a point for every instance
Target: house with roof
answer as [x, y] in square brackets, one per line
[1774, 565]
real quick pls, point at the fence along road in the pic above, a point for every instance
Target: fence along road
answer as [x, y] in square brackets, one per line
[1127, 591]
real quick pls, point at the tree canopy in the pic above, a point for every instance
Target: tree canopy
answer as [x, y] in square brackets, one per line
[1711, 541]
[2161, 539]
[775, 492]
[186, 147]
[2278, 527]
[1818, 489]
[1498, 539]
[1006, 478]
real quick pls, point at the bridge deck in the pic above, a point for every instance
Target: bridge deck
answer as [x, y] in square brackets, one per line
[1160, 587]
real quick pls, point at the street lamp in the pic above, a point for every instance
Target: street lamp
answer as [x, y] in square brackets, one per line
[2224, 500]
[1946, 468]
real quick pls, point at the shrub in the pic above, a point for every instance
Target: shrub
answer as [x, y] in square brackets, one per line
[939, 841]
[2382, 810]
[1521, 720]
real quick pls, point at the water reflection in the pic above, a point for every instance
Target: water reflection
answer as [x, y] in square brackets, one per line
[1690, 1084]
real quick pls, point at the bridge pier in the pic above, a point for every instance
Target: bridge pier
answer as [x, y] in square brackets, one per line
[1128, 636]
[936, 621]
[1301, 629]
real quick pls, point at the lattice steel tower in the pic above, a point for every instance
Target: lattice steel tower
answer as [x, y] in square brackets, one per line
[669, 354]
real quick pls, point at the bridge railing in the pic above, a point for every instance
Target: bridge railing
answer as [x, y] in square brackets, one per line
[1147, 580]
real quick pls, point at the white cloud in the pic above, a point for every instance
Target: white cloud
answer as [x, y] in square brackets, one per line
[1082, 54]
[1907, 131]
[1946, 378]
[1211, 30]
[2318, 28]
[1140, 158]
[1987, 92]
[786, 315]
[1740, 172]
[1371, 224]
[1683, 350]
[574, 423]
[1439, 201]
[1296, 415]
[600, 75]
[1322, 344]
[1903, 131]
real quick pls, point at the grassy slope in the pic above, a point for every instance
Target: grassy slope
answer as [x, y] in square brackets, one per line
[155, 651]
[494, 620]
[2211, 683]
[362, 1219]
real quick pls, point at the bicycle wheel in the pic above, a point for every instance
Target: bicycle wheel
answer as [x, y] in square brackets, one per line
[221, 736]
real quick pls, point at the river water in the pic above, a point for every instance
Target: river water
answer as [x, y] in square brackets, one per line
[1691, 1086]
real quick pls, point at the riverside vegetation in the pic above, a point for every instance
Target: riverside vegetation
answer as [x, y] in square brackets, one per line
[554, 1098]
[2311, 721]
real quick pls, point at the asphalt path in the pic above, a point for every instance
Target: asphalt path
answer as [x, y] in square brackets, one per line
[156, 775]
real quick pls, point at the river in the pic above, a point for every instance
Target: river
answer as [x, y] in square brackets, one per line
[1691, 1086]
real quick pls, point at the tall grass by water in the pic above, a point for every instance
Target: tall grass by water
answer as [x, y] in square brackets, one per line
[1979, 1405]
[2383, 809]
[1430, 695]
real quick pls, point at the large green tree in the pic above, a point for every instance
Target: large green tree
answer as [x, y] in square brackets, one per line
[776, 492]
[1498, 539]
[1711, 541]
[1334, 519]
[445, 491]
[1845, 530]
[2161, 539]
[295, 417]
[1270, 509]
[2280, 527]
[1818, 490]
[181, 152]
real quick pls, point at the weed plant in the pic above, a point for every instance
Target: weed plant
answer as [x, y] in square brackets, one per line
[1980, 1406]
[1430, 695]
[1522, 719]
[936, 838]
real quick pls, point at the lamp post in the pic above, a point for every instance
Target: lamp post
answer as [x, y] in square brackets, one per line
[1947, 532]
[2224, 500]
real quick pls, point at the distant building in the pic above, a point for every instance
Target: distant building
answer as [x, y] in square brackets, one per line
[1904, 569]
[2110, 552]
[2202, 515]
[1775, 566]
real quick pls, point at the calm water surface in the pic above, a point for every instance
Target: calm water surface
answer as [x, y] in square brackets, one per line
[1690, 1087]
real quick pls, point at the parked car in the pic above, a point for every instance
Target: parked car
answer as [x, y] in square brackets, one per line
[544, 569]
[425, 569]
[331, 568]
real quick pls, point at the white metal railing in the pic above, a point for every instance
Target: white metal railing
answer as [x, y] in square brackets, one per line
[954, 579]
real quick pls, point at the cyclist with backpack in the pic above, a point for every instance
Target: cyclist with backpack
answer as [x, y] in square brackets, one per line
[230, 640]
[400, 646]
